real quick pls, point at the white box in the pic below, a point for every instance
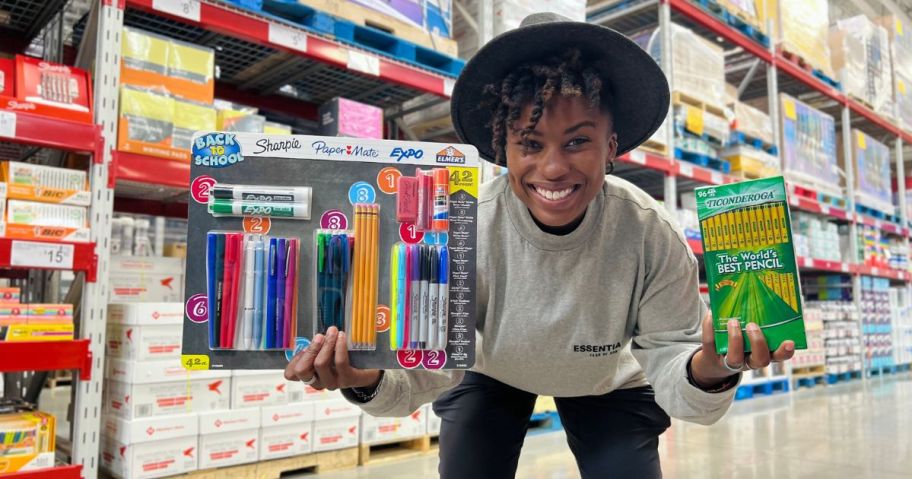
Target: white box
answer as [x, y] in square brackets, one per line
[433, 421]
[133, 279]
[334, 409]
[134, 401]
[287, 430]
[299, 392]
[146, 313]
[228, 438]
[149, 448]
[260, 388]
[166, 370]
[340, 433]
[143, 343]
[379, 430]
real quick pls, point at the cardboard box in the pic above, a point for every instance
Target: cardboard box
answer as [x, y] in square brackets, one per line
[286, 441]
[47, 184]
[151, 388]
[43, 221]
[32, 450]
[259, 388]
[146, 123]
[55, 90]
[339, 433]
[286, 414]
[334, 409]
[379, 430]
[300, 392]
[153, 61]
[143, 343]
[344, 117]
[146, 314]
[149, 279]
[228, 437]
[149, 448]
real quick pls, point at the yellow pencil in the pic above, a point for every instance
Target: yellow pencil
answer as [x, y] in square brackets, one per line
[720, 237]
[707, 235]
[762, 231]
[781, 215]
[732, 235]
[723, 231]
[739, 229]
[792, 295]
[755, 227]
[374, 269]
[361, 248]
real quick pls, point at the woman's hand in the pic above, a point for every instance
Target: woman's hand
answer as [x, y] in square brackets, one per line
[708, 368]
[325, 361]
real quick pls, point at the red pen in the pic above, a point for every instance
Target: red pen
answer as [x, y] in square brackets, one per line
[229, 298]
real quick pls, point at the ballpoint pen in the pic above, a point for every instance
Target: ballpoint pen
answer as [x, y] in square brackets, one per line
[290, 293]
[258, 289]
[219, 289]
[424, 299]
[229, 297]
[269, 333]
[249, 292]
[346, 246]
[394, 296]
[211, 285]
[240, 283]
[281, 264]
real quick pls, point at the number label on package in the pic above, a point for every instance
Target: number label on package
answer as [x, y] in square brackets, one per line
[287, 37]
[189, 9]
[41, 255]
[7, 124]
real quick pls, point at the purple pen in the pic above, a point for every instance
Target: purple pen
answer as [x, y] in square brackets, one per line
[290, 292]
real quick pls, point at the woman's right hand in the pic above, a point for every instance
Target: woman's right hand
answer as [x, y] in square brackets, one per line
[327, 358]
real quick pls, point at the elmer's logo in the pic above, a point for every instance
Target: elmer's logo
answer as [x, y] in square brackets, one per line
[216, 150]
[450, 156]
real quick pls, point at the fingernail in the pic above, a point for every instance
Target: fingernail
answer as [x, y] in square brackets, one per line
[752, 327]
[332, 330]
[341, 334]
[789, 346]
[733, 324]
[318, 339]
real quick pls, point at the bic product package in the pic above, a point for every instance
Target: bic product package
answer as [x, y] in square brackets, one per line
[291, 235]
[750, 261]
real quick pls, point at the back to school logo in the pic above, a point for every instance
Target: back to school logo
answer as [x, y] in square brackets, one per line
[216, 150]
[451, 156]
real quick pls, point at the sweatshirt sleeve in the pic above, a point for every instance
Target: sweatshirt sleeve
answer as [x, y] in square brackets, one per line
[668, 329]
[401, 391]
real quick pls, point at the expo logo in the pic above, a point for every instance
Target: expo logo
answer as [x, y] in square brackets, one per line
[400, 153]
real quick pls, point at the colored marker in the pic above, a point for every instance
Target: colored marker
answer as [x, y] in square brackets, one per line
[211, 285]
[414, 294]
[219, 289]
[281, 264]
[219, 207]
[271, 295]
[258, 266]
[443, 296]
[434, 299]
[290, 295]
[262, 194]
[229, 297]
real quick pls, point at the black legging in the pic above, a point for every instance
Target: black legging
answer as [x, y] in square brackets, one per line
[484, 423]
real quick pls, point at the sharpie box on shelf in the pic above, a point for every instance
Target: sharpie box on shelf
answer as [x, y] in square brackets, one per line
[151, 447]
[228, 437]
[290, 235]
[286, 430]
[750, 261]
[53, 89]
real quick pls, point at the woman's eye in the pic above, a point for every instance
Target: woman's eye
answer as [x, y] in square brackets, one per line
[577, 142]
[531, 145]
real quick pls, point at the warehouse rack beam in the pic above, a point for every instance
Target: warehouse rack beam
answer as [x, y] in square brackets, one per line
[47, 356]
[59, 472]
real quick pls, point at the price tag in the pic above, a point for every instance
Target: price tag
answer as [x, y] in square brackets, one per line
[195, 362]
[862, 140]
[7, 124]
[695, 120]
[685, 169]
[825, 209]
[41, 255]
[638, 156]
[189, 9]
[287, 37]
[715, 177]
[844, 268]
[789, 107]
[363, 63]
[448, 84]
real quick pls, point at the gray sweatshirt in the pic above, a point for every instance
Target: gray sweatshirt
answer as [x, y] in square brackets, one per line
[612, 305]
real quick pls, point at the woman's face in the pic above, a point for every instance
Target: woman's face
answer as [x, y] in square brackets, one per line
[562, 168]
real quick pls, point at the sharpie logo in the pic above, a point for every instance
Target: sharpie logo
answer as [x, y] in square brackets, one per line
[217, 150]
[45, 66]
[400, 154]
[265, 145]
[322, 148]
[450, 156]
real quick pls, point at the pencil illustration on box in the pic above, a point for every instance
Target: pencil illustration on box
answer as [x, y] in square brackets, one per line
[750, 261]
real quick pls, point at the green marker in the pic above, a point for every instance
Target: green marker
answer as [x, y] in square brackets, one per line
[753, 278]
[225, 207]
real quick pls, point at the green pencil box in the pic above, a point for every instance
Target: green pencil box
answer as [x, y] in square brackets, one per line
[751, 270]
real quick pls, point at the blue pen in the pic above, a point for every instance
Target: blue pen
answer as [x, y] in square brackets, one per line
[281, 264]
[258, 293]
[211, 261]
[443, 296]
[271, 295]
[400, 301]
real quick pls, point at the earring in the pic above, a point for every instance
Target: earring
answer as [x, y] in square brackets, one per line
[610, 168]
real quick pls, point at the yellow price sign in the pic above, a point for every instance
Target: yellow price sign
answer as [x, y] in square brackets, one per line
[695, 120]
[899, 27]
[901, 86]
[195, 362]
[862, 141]
[789, 107]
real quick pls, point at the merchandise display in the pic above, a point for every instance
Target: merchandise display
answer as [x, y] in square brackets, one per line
[900, 43]
[860, 54]
[815, 355]
[181, 69]
[871, 164]
[699, 66]
[47, 184]
[146, 123]
[276, 264]
[286, 430]
[144, 331]
[802, 29]
[344, 117]
[808, 144]
[901, 319]
[152, 447]
[27, 441]
[876, 322]
[145, 279]
[750, 261]
[228, 437]
[53, 89]
[820, 239]
[902, 96]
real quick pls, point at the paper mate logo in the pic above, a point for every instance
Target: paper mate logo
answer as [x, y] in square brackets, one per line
[400, 153]
[450, 156]
[357, 151]
[216, 150]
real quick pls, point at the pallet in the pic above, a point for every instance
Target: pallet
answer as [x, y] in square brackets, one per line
[883, 370]
[902, 368]
[653, 146]
[703, 160]
[59, 378]
[393, 451]
[272, 469]
[875, 213]
[816, 72]
[818, 196]
[767, 388]
[735, 20]
[740, 138]
[818, 370]
[681, 98]
[810, 381]
[842, 377]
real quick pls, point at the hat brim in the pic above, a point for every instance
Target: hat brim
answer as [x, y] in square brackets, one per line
[639, 90]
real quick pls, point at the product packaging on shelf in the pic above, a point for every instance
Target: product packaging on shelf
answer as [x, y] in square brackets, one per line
[379, 430]
[750, 262]
[144, 331]
[28, 440]
[151, 447]
[190, 117]
[135, 279]
[902, 95]
[54, 90]
[336, 425]
[871, 162]
[809, 145]
[860, 53]
[344, 117]
[146, 124]
[286, 430]
[699, 65]
[255, 388]
[294, 234]
[47, 184]
[752, 122]
[9, 295]
[801, 28]
[228, 437]
[900, 43]
[240, 119]
[46, 221]
[182, 69]
[7, 77]
[273, 128]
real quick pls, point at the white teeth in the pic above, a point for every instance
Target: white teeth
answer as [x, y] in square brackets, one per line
[554, 195]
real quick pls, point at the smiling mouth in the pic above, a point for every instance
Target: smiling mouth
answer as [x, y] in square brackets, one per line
[554, 194]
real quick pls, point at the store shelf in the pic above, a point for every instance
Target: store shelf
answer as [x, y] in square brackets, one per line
[24, 19]
[262, 54]
[885, 226]
[47, 356]
[83, 256]
[811, 206]
[50, 132]
[59, 472]
[811, 264]
[150, 177]
[891, 273]
[652, 161]
[710, 22]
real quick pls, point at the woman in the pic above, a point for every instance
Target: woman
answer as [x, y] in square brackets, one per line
[587, 290]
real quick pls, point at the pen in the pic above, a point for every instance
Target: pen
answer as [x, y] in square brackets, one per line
[237, 336]
[401, 291]
[220, 207]
[301, 194]
[281, 263]
[290, 272]
[249, 291]
[337, 278]
[394, 296]
[414, 294]
[229, 297]
[443, 295]
[269, 333]
[219, 289]
[433, 293]
[258, 293]
[425, 302]
[211, 286]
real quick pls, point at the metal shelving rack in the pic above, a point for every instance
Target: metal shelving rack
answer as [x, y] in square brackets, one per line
[666, 177]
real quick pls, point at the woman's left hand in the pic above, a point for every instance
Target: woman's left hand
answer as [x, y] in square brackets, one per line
[709, 369]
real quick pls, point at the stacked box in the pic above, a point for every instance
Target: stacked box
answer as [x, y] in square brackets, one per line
[228, 437]
[808, 144]
[900, 43]
[802, 28]
[875, 322]
[860, 54]
[902, 96]
[151, 447]
[255, 388]
[507, 16]
[336, 424]
[182, 69]
[286, 430]
[871, 166]
[135, 279]
[901, 319]
[823, 239]
[751, 121]
[814, 355]
[699, 66]
[144, 331]
[380, 430]
[841, 332]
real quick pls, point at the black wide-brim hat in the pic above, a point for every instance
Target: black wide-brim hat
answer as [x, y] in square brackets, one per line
[639, 90]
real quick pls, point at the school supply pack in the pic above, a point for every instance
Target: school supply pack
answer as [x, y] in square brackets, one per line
[291, 235]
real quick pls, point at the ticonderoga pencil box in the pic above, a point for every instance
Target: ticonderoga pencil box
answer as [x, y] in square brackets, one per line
[751, 270]
[290, 235]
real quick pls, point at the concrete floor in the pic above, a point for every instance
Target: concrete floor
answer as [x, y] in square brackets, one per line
[853, 430]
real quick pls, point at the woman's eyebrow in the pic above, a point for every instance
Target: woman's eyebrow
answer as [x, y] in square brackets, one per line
[579, 125]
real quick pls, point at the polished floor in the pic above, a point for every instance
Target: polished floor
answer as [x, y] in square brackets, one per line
[855, 430]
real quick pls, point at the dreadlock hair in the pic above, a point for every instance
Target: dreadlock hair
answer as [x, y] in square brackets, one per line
[537, 82]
